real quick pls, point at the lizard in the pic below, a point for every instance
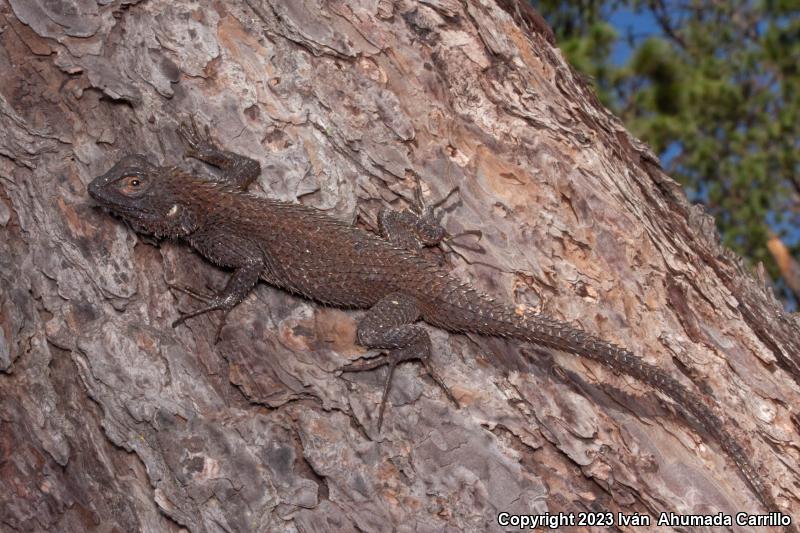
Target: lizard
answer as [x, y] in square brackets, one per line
[304, 251]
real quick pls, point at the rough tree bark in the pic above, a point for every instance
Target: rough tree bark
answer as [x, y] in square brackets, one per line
[110, 420]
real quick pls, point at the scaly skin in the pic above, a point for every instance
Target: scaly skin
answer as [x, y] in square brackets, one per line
[303, 251]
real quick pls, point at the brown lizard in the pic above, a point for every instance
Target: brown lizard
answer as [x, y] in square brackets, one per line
[304, 251]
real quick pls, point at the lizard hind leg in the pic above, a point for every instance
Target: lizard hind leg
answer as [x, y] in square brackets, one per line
[420, 226]
[416, 227]
[388, 326]
[410, 230]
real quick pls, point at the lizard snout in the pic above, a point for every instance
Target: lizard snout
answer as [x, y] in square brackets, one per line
[94, 189]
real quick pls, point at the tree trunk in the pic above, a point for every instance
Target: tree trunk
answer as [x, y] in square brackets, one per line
[111, 420]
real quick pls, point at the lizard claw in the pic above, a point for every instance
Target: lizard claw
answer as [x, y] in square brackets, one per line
[205, 298]
[367, 363]
[429, 225]
[439, 381]
[391, 359]
[218, 334]
[432, 217]
[189, 292]
[377, 362]
[197, 143]
[430, 211]
[212, 304]
[222, 322]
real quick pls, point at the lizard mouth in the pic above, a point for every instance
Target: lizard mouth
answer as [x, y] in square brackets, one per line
[135, 220]
[125, 213]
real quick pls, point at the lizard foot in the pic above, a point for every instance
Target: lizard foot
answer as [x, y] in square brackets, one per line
[205, 298]
[392, 358]
[211, 305]
[218, 334]
[199, 145]
[428, 225]
[431, 217]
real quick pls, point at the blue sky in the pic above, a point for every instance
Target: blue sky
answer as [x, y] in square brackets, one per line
[641, 25]
[627, 22]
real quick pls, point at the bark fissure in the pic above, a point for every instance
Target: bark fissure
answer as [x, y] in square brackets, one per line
[113, 419]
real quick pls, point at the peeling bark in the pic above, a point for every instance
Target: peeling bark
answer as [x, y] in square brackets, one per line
[111, 420]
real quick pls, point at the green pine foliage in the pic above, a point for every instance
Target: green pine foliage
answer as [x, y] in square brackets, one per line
[714, 88]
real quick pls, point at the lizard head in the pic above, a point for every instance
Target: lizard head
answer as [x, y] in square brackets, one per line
[145, 195]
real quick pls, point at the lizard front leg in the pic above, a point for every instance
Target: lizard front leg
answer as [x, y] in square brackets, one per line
[239, 286]
[388, 325]
[237, 170]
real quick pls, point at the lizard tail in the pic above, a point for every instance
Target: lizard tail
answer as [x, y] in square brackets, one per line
[544, 331]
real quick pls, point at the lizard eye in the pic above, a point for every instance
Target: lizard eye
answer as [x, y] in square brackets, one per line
[132, 185]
